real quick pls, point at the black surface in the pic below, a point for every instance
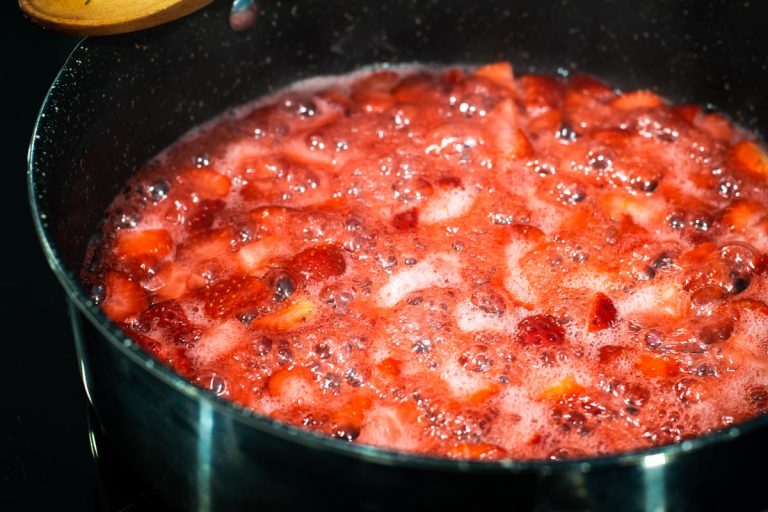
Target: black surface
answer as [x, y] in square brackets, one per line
[45, 459]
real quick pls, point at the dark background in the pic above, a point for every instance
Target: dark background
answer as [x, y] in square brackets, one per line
[45, 459]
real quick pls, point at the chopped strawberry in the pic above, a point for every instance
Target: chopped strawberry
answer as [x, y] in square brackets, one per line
[171, 319]
[123, 298]
[540, 92]
[476, 451]
[538, 330]
[348, 419]
[591, 86]
[687, 112]
[395, 426]
[374, 91]
[521, 147]
[655, 366]
[602, 313]
[547, 122]
[149, 242]
[204, 214]
[613, 137]
[295, 384]
[234, 295]
[413, 88]
[317, 264]
[636, 100]
[174, 281]
[389, 368]
[609, 353]
[741, 214]
[290, 316]
[406, 220]
[205, 183]
[499, 73]
[273, 219]
[565, 388]
[299, 152]
[750, 157]
[253, 257]
[207, 246]
[716, 126]
[480, 395]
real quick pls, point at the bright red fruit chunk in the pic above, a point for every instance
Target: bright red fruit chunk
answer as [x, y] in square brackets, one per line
[602, 314]
[148, 242]
[234, 295]
[540, 330]
[124, 298]
[406, 220]
[317, 263]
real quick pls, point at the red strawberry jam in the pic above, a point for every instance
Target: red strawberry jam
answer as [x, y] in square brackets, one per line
[459, 263]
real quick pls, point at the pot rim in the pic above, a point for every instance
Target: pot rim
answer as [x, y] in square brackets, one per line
[649, 457]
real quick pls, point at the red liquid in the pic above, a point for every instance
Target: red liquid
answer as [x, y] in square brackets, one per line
[457, 263]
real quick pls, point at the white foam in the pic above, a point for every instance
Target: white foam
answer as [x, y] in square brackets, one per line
[471, 319]
[440, 270]
[219, 341]
[447, 204]
[461, 383]
[515, 281]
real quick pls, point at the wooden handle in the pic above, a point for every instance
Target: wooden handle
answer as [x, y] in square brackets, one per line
[105, 17]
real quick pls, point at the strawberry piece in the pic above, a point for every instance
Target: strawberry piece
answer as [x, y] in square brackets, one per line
[565, 388]
[481, 395]
[389, 368]
[637, 100]
[602, 313]
[476, 451]
[750, 157]
[205, 214]
[716, 126]
[252, 258]
[609, 353]
[590, 86]
[317, 264]
[538, 330]
[299, 311]
[233, 295]
[741, 214]
[414, 88]
[173, 282]
[613, 137]
[205, 183]
[540, 92]
[394, 426]
[547, 122]
[207, 246]
[348, 419]
[407, 220]
[656, 367]
[499, 73]
[374, 92]
[299, 152]
[123, 298]
[688, 112]
[295, 384]
[520, 147]
[134, 244]
[170, 317]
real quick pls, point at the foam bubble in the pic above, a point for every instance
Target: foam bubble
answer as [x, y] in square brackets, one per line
[447, 204]
[219, 341]
[440, 270]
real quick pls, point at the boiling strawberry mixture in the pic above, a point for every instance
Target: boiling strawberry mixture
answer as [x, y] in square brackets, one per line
[457, 263]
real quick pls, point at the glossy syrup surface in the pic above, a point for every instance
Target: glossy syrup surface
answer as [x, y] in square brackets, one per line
[459, 263]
